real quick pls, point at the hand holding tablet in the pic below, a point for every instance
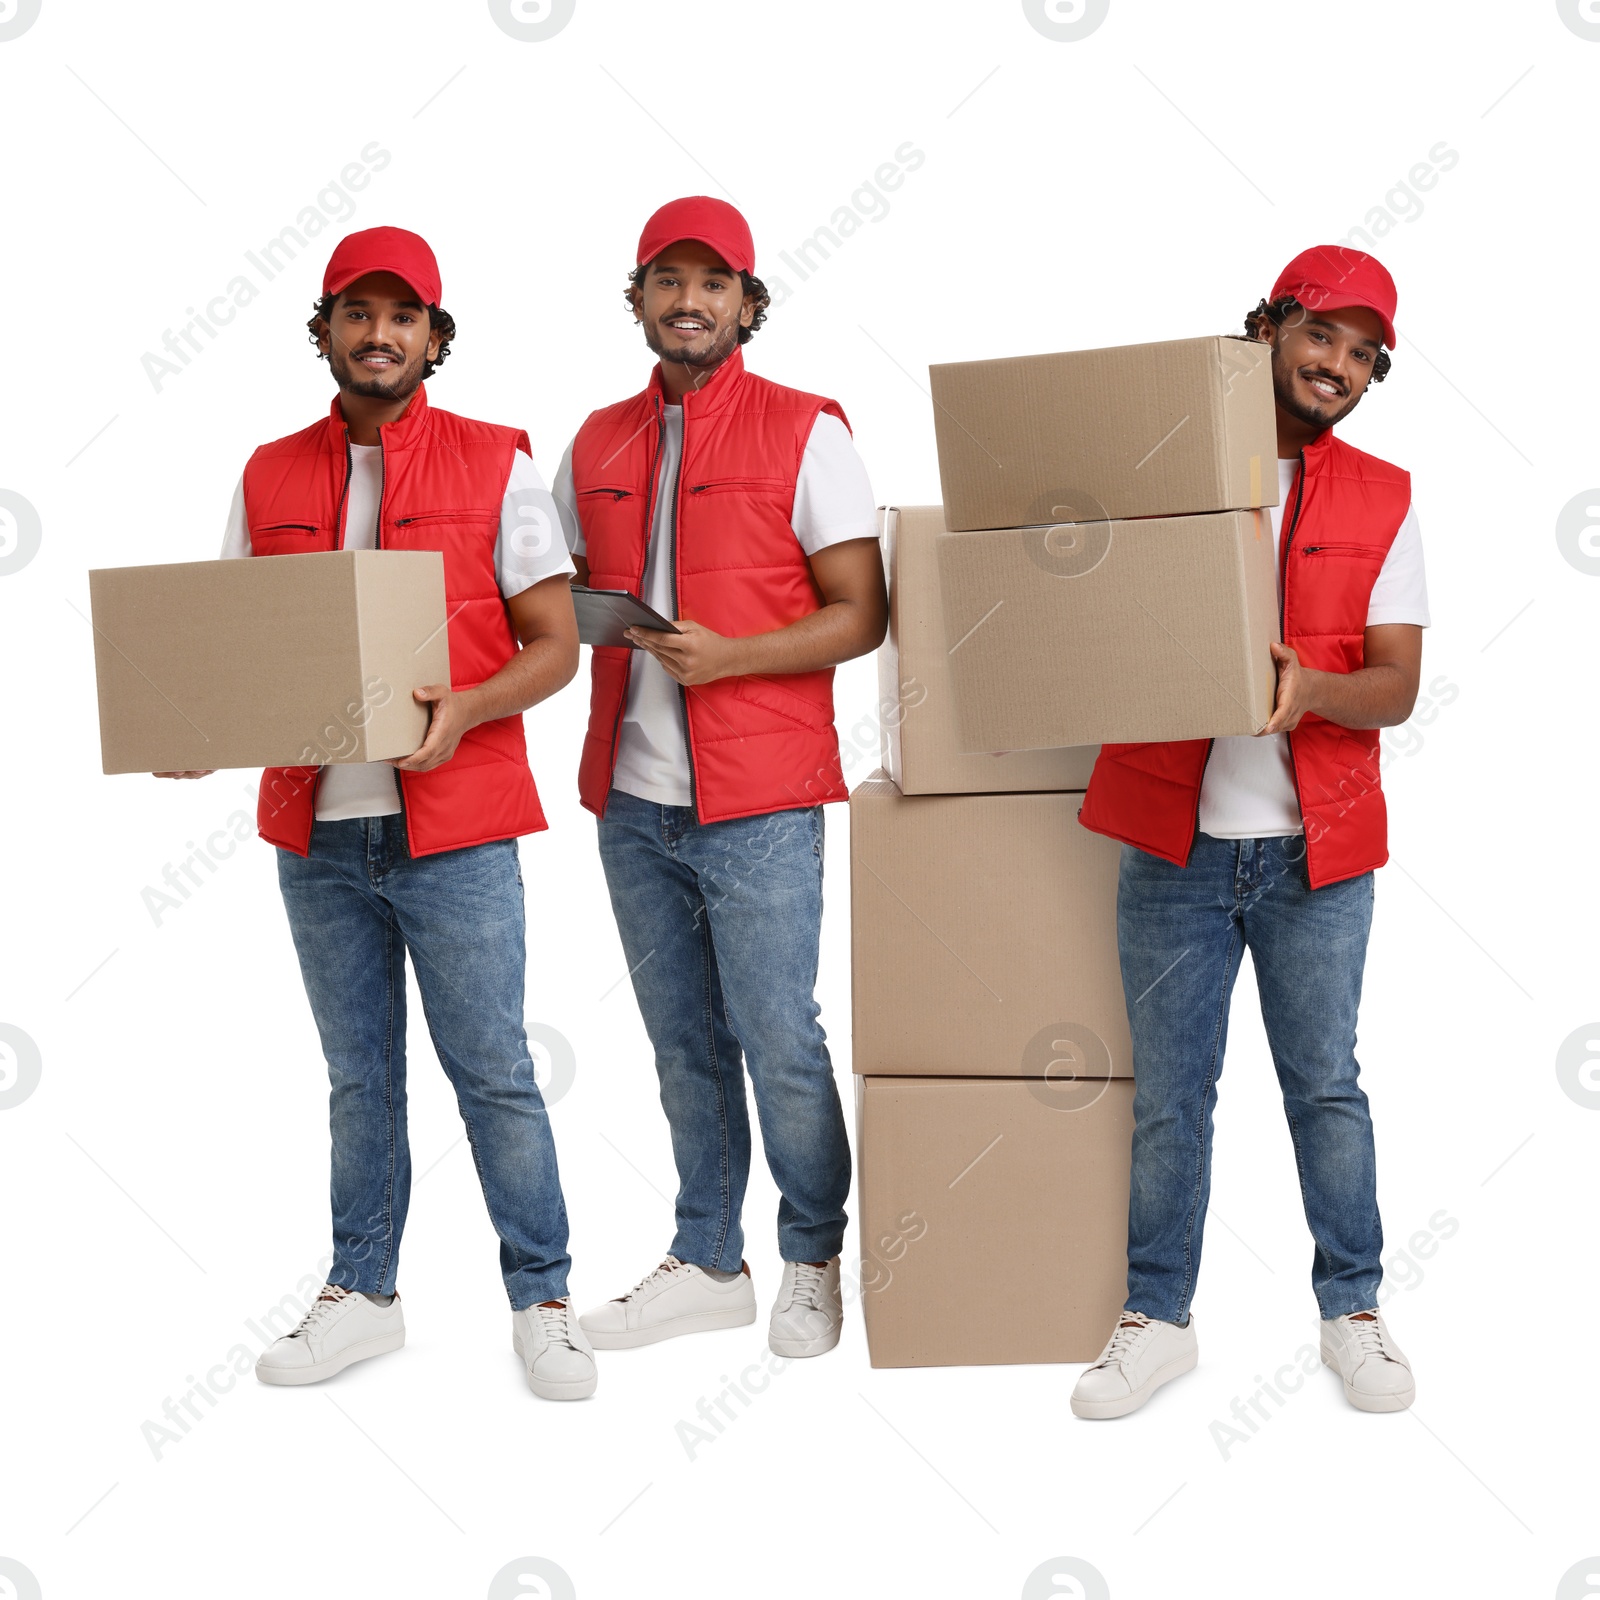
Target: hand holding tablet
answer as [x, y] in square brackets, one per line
[604, 615]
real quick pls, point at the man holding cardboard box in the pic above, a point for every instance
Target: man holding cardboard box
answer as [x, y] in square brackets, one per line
[741, 510]
[420, 854]
[1269, 844]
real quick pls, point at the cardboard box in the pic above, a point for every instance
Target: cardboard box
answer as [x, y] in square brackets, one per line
[280, 661]
[983, 937]
[1143, 430]
[1156, 629]
[980, 1193]
[921, 750]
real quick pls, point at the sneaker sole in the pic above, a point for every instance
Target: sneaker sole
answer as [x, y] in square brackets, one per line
[1376, 1403]
[700, 1322]
[548, 1389]
[795, 1349]
[364, 1351]
[1101, 1410]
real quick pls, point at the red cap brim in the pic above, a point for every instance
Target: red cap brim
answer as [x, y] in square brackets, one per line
[337, 285]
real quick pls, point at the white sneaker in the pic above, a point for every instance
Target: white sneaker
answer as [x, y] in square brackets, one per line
[1142, 1354]
[558, 1357]
[676, 1298]
[1377, 1377]
[809, 1310]
[341, 1327]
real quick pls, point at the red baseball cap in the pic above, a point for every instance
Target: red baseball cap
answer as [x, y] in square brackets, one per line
[1328, 276]
[407, 255]
[710, 221]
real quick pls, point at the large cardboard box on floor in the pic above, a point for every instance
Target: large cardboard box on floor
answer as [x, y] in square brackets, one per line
[1111, 632]
[921, 748]
[983, 937]
[994, 1218]
[1143, 430]
[281, 661]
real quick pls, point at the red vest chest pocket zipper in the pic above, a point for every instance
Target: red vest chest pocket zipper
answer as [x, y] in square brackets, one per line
[747, 485]
[288, 538]
[475, 514]
[463, 537]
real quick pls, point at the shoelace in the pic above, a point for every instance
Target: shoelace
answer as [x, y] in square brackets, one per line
[808, 1285]
[557, 1324]
[669, 1265]
[1368, 1337]
[1132, 1325]
[326, 1303]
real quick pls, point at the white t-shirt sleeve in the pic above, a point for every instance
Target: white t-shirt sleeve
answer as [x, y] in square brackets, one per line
[531, 546]
[236, 541]
[567, 505]
[1401, 592]
[833, 499]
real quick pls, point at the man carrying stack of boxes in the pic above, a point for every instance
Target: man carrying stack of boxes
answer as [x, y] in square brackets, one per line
[1270, 843]
[1249, 815]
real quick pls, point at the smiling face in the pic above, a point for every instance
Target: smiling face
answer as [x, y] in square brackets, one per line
[378, 339]
[1322, 362]
[692, 306]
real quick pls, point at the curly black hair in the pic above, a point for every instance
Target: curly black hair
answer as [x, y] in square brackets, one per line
[1278, 311]
[752, 286]
[439, 321]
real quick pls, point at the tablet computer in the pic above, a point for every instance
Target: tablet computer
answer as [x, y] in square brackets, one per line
[604, 613]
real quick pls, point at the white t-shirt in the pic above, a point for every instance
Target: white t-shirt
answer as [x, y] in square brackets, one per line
[1248, 791]
[526, 552]
[832, 503]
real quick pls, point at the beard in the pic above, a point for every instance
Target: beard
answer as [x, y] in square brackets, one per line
[1314, 415]
[401, 384]
[713, 355]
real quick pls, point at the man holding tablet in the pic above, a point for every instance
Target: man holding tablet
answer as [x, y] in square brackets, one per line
[739, 510]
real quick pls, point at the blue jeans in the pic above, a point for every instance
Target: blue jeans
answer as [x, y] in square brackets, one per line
[720, 925]
[356, 905]
[1181, 933]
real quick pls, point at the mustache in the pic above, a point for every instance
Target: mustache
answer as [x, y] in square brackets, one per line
[1327, 377]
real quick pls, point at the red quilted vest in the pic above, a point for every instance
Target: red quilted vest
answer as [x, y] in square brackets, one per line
[756, 743]
[444, 478]
[1344, 513]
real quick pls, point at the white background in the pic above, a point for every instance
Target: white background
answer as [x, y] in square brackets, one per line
[166, 1180]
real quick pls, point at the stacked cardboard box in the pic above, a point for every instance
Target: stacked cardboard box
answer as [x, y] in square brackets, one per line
[1102, 569]
[1109, 574]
